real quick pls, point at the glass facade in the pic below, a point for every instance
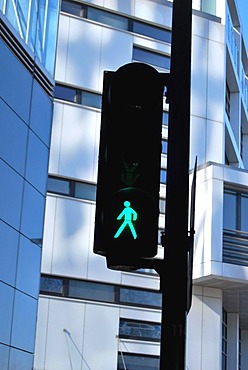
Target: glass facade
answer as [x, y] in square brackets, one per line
[36, 22]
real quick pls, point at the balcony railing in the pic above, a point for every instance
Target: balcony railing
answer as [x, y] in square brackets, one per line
[244, 87]
[235, 247]
[232, 41]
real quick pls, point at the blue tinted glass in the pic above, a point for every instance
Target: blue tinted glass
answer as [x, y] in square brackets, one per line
[65, 93]
[58, 186]
[140, 297]
[139, 330]
[165, 118]
[51, 285]
[229, 213]
[110, 19]
[150, 57]
[244, 213]
[162, 205]
[151, 31]
[73, 8]
[85, 191]
[209, 6]
[164, 146]
[137, 362]
[94, 291]
[91, 99]
[46, 36]
[163, 175]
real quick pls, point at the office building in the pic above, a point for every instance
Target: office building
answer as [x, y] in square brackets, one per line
[90, 317]
[28, 33]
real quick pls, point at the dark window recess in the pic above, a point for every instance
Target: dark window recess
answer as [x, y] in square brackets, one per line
[99, 292]
[77, 96]
[140, 330]
[71, 188]
[151, 57]
[133, 361]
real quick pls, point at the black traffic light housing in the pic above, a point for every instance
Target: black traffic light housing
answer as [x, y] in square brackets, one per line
[127, 203]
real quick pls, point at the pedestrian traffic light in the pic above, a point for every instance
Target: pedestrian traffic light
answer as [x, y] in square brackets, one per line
[127, 202]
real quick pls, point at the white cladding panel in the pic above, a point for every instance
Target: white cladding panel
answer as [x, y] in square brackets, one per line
[75, 142]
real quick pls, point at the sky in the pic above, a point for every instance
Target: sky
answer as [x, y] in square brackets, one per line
[243, 10]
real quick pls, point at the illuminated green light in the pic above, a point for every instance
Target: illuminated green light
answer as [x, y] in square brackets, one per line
[129, 215]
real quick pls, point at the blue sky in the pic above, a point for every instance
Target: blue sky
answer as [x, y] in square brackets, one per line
[243, 9]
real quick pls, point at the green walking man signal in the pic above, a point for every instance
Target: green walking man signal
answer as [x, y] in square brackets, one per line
[129, 215]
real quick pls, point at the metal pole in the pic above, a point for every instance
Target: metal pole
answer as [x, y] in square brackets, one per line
[174, 272]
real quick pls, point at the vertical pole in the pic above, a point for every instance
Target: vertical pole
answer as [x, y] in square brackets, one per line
[174, 274]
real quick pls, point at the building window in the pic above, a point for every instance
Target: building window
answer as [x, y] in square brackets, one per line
[163, 175]
[151, 57]
[235, 227]
[208, 6]
[140, 330]
[116, 20]
[52, 285]
[71, 188]
[165, 118]
[224, 340]
[133, 361]
[140, 297]
[100, 292]
[78, 96]
[162, 205]
[164, 146]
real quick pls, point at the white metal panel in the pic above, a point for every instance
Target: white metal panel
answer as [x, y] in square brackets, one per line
[154, 12]
[62, 45]
[65, 331]
[41, 333]
[101, 328]
[199, 70]
[79, 143]
[71, 238]
[198, 140]
[49, 225]
[216, 81]
[56, 138]
[83, 58]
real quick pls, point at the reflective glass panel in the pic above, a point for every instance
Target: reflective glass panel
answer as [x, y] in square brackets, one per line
[65, 93]
[164, 146]
[73, 8]
[51, 285]
[110, 19]
[209, 6]
[140, 297]
[162, 205]
[163, 175]
[151, 31]
[91, 99]
[85, 191]
[165, 118]
[244, 213]
[150, 57]
[94, 291]
[139, 330]
[58, 186]
[229, 214]
[137, 362]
